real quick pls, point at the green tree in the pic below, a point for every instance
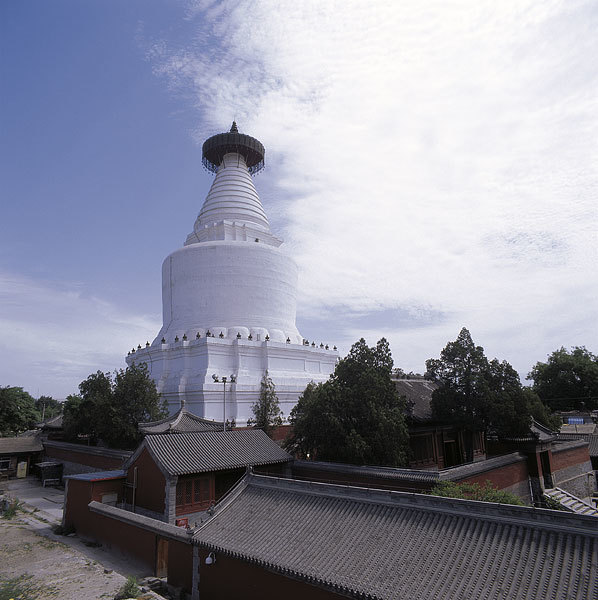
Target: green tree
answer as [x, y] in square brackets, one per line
[475, 491]
[135, 400]
[357, 415]
[266, 411]
[567, 380]
[75, 420]
[47, 407]
[508, 409]
[462, 398]
[476, 394]
[540, 412]
[17, 411]
[90, 413]
[109, 409]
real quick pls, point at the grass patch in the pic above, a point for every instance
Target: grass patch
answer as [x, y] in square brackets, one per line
[475, 491]
[18, 588]
[50, 545]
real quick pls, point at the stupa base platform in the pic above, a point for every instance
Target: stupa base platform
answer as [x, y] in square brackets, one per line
[183, 373]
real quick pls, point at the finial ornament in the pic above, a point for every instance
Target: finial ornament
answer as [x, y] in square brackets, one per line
[215, 148]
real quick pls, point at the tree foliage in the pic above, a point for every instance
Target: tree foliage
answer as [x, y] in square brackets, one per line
[17, 411]
[109, 409]
[567, 380]
[47, 407]
[476, 394]
[266, 411]
[357, 415]
[475, 491]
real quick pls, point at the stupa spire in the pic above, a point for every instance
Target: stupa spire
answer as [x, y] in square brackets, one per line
[232, 209]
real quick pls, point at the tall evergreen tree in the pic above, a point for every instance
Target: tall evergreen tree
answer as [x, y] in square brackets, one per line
[476, 394]
[266, 410]
[357, 415]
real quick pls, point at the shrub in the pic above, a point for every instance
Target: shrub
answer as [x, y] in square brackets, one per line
[10, 509]
[129, 590]
[475, 491]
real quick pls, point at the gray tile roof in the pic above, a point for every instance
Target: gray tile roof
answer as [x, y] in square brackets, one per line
[392, 473]
[419, 394]
[593, 445]
[374, 544]
[187, 453]
[588, 428]
[182, 421]
[52, 423]
[98, 475]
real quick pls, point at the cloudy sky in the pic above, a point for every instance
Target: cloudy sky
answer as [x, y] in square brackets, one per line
[430, 165]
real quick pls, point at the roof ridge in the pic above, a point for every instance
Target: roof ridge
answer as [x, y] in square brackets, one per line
[177, 419]
[160, 421]
[528, 516]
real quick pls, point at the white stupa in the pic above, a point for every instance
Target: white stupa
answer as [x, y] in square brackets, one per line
[229, 300]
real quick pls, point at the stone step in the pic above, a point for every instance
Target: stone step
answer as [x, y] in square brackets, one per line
[570, 502]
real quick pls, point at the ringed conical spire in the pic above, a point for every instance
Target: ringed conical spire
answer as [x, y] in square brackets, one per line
[232, 209]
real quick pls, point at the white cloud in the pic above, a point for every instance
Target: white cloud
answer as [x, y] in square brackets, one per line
[428, 158]
[53, 336]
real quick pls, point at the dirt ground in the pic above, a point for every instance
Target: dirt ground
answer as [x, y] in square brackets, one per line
[48, 568]
[43, 565]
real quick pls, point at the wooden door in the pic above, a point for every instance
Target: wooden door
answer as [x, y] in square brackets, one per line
[162, 558]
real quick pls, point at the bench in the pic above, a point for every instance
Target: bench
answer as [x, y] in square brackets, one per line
[51, 482]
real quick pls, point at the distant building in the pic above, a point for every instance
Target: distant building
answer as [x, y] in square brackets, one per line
[433, 445]
[229, 299]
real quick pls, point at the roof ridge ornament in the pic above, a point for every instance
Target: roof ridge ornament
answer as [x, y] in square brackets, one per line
[234, 128]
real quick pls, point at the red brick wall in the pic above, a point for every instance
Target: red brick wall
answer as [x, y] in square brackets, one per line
[501, 477]
[231, 578]
[139, 543]
[81, 493]
[568, 458]
[150, 483]
[102, 463]
[134, 541]
[78, 496]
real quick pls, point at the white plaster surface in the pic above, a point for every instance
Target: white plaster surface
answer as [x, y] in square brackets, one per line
[231, 279]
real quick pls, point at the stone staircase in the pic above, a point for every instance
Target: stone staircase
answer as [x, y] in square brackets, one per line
[570, 502]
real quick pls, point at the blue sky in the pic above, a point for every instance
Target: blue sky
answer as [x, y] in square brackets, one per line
[429, 167]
